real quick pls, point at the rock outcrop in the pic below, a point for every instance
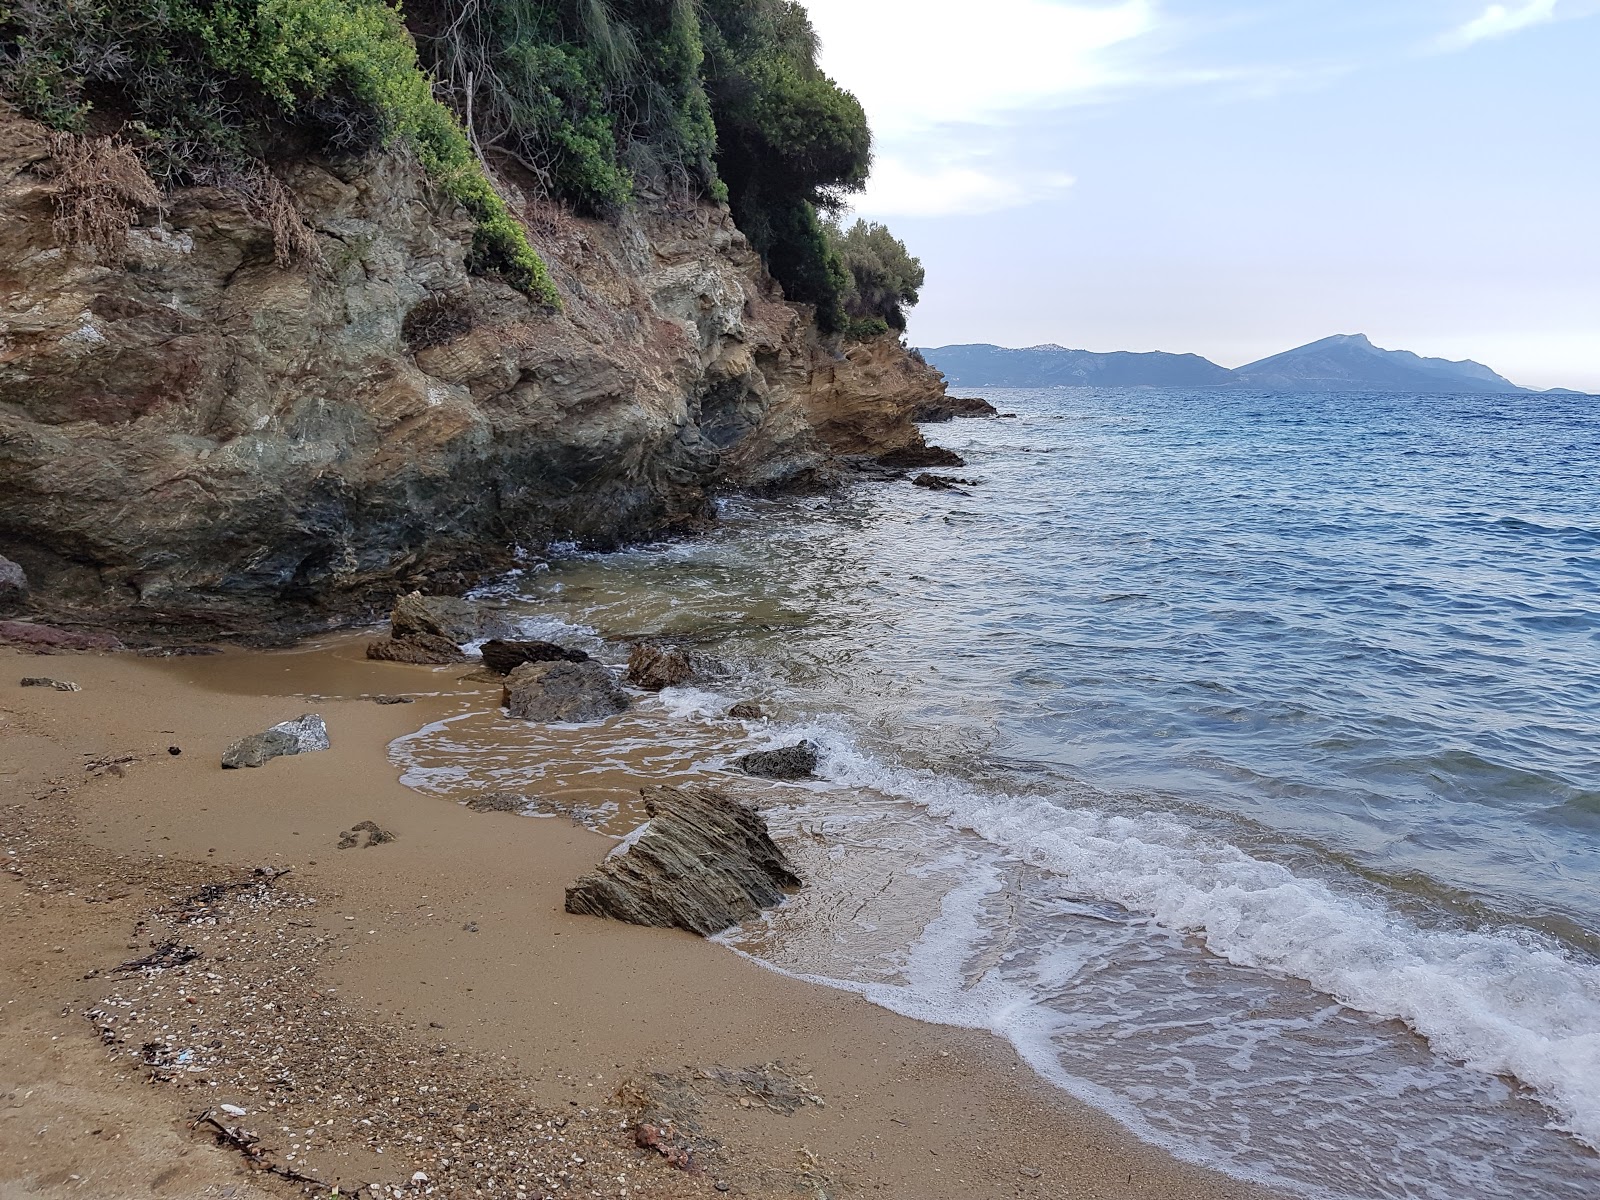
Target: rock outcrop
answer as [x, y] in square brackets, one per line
[13, 585]
[703, 862]
[192, 434]
[655, 668]
[947, 408]
[563, 692]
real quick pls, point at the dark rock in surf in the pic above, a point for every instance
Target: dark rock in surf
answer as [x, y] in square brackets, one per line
[939, 409]
[503, 657]
[703, 862]
[798, 761]
[943, 483]
[747, 710]
[654, 668]
[563, 692]
[503, 802]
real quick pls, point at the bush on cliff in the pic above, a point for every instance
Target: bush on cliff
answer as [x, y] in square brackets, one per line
[884, 276]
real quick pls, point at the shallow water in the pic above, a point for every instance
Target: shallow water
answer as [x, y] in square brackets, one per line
[1233, 755]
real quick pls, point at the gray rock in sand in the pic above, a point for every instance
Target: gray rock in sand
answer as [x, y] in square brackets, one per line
[703, 862]
[563, 692]
[303, 735]
[13, 585]
[60, 685]
[798, 761]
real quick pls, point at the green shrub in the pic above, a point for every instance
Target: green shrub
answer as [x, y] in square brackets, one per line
[884, 278]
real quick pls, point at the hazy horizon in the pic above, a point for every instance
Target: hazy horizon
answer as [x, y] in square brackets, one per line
[1233, 178]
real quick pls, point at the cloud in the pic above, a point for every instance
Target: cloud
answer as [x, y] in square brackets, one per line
[918, 64]
[902, 189]
[1498, 20]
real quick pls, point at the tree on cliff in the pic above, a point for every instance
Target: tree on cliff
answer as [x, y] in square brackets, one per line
[884, 277]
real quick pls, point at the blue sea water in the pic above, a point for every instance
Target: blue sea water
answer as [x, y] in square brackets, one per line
[1236, 756]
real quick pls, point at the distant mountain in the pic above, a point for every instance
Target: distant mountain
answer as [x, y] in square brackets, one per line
[1339, 363]
[1056, 366]
[1349, 360]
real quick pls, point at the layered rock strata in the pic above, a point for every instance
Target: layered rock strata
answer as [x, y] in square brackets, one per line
[704, 862]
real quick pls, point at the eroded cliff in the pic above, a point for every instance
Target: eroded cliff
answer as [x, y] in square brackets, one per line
[191, 432]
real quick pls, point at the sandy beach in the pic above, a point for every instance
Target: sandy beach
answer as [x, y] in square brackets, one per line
[420, 1016]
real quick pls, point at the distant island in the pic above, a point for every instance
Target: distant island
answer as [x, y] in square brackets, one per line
[1340, 363]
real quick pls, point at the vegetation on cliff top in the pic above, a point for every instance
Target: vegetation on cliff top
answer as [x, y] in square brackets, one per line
[598, 103]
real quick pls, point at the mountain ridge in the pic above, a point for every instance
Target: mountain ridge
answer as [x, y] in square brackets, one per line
[1341, 362]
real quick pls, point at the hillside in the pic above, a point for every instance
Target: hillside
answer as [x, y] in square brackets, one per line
[1342, 362]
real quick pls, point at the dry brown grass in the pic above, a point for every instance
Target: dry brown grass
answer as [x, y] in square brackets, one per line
[102, 189]
[292, 239]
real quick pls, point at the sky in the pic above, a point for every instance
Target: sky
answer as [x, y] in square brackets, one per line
[1236, 177]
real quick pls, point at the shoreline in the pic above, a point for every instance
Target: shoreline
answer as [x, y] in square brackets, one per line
[454, 935]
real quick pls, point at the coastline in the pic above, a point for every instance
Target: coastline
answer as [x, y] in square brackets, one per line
[458, 923]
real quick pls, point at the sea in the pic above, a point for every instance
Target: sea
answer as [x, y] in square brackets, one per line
[1235, 756]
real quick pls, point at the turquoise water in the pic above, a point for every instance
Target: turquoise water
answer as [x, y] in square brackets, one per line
[1235, 756]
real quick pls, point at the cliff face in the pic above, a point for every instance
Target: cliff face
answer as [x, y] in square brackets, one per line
[191, 430]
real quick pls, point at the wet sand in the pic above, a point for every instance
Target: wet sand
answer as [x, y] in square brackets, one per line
[442, 959]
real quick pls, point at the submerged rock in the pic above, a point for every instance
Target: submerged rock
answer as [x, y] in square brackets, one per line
[509, 802]
[563, 692]
[654, 668]
[703, 862]
[798, 761]
[747, 710]
[303, 735]
[503, 657]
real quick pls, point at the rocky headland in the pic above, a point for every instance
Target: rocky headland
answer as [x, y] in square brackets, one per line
[198, 438]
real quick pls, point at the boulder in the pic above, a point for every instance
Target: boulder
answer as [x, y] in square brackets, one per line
[416, 616]
[46, 638]
[503, 657]
[427, 631]
[702, 862]
[921, 456]
[563, 692]
[798, 761]
[60, 685]
[653, 668]
[424, 650]
[303, 735]
[13, 585]
[747, 710]
[944, 408]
